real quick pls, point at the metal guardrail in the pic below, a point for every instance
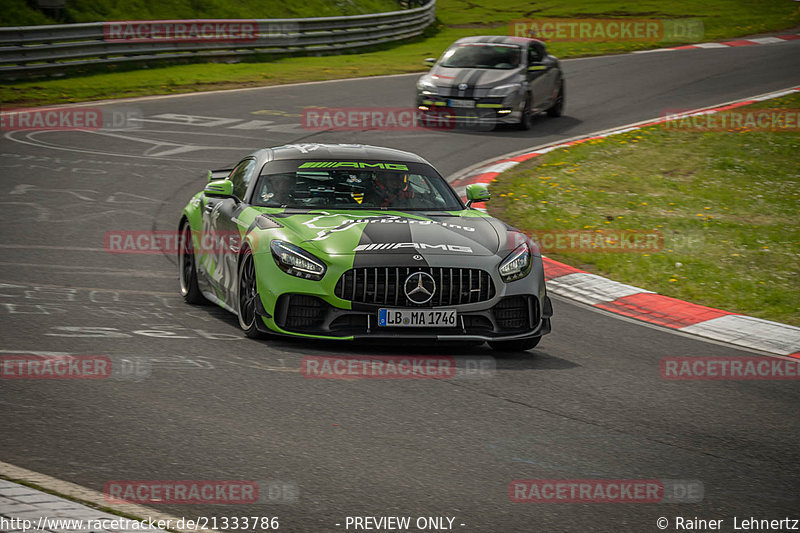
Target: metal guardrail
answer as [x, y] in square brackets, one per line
[59, 48]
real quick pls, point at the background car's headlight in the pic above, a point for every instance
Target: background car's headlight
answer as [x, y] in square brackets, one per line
[504, 90]
[296, 261]
[426, 86]
[517, 264]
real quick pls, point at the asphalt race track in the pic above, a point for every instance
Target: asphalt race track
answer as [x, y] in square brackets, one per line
[588, 402]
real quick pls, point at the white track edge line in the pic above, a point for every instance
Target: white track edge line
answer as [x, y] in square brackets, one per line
[85, 495]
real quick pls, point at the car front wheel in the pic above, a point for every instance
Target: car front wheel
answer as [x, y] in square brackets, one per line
[248, 293]
[526, 119]
[557, 109]
[188, 271]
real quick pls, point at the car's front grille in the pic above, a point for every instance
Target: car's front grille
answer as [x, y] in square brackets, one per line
[473, 92]
[384, 286]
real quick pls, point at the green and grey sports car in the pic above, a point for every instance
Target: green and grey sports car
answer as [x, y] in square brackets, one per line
[359, 242]
[489, 80]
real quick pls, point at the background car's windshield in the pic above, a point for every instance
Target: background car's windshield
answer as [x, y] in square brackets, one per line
[303, 185]
[482, 56]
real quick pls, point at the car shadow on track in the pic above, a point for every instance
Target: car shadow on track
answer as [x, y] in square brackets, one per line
[535, 359]
[542, 126]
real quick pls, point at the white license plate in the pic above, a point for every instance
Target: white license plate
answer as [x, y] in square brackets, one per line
[462, 103]
[417, 318]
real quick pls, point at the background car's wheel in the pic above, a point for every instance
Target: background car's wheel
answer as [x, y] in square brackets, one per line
[515, 346]
[248, 292]
[557, 109]
[188, 273]
[526, 120]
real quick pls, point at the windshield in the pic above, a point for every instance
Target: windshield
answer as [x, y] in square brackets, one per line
[353, 185]
[475, 55]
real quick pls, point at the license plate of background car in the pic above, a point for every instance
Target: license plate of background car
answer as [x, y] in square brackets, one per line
[417, 318]
[462, 103]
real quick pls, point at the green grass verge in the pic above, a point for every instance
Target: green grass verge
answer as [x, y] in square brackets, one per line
[458, 18]
[22, 13]
[726, 203]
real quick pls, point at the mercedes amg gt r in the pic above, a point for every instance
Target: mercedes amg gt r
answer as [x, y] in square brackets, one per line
[491, 80]
[359, 242]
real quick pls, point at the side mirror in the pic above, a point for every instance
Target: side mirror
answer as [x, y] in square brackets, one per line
[430, 61]
[477, 192]
[223, 188]
[209, 176]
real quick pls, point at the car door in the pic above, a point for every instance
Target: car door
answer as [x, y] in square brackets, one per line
[222, 233]
[542, 76]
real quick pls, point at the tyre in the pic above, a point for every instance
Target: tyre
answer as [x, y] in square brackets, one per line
[526, 120]
[515, 346]
[186, 265]
[557, 109]
[246, 296]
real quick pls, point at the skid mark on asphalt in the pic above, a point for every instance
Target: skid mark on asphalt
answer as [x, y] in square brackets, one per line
[149, 152]
[83, 201]
[44, 214]
[105, 271]
[177, 362]
[136, 313]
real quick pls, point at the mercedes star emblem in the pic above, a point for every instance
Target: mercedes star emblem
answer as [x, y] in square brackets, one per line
[462, 86]
[419, 287]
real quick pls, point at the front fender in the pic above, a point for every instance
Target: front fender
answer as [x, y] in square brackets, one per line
[193, 213]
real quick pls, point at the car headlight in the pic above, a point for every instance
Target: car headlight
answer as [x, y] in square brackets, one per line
[296, 261]
[504, 90]
[517, 264]
[426, 86]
